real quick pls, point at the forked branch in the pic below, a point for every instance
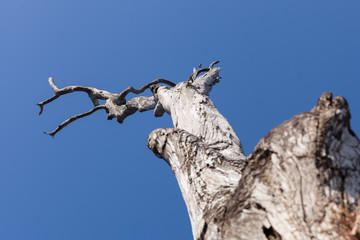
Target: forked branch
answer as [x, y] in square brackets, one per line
[93, 93]
[115, 103]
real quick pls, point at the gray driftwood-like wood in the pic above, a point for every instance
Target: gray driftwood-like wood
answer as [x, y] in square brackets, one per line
[301, 182]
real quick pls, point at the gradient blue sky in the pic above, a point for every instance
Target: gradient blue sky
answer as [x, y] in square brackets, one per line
[97, 179]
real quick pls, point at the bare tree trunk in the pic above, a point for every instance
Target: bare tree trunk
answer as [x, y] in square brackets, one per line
[301, 181]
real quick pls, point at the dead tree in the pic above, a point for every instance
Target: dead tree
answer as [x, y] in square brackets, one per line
[301, 182]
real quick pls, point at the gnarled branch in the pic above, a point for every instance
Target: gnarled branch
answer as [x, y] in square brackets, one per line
[115, 104]
[121, 97]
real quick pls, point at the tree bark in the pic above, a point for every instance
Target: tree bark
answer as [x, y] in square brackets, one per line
[301, 182]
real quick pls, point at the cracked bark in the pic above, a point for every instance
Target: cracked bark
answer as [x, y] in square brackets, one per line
[301, 182]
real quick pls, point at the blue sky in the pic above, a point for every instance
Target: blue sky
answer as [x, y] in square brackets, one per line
[97, 179]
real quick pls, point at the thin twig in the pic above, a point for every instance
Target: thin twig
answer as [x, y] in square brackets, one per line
[74, 118]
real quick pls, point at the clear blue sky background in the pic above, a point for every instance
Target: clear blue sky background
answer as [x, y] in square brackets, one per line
[97, 179]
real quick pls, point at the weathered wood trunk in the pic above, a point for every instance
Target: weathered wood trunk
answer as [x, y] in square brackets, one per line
[301, 182]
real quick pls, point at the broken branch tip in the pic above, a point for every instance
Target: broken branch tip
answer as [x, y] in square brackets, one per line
[52, 84]
[50, 134]
[213, 63]
[41, 108]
